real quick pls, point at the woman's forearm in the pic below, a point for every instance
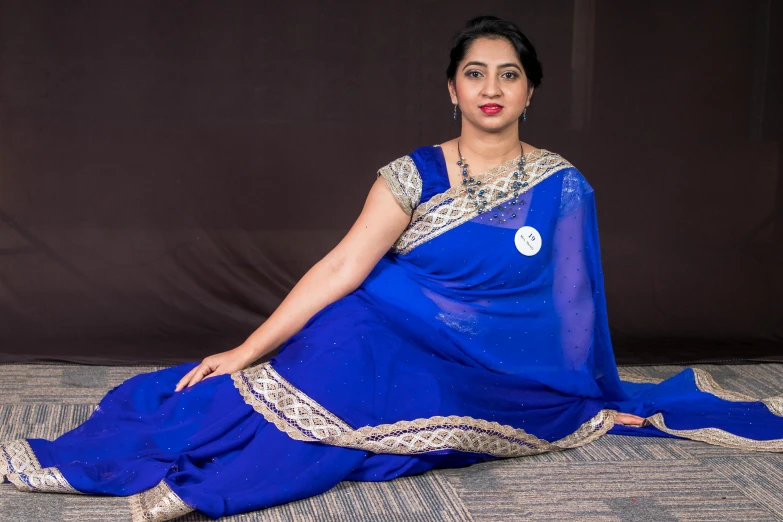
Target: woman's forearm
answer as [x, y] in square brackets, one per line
[326, 282]
[340, 272]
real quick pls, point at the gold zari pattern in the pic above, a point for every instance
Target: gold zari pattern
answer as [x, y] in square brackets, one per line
[627, 376]
[466, 434]
[46, 480]
[157, 504]
[16, 456]
[456, 206]
[302, 418]
[285, 406]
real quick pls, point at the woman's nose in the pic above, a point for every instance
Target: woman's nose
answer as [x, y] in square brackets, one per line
[491, 87]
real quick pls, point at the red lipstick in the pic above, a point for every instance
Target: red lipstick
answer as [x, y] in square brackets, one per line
[491, 108]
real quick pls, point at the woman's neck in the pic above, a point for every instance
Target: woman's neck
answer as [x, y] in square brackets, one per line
[489, 149]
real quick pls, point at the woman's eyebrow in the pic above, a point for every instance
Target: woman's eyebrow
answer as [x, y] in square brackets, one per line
[501, 66]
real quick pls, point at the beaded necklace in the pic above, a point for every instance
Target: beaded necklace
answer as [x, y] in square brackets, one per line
[476, 192]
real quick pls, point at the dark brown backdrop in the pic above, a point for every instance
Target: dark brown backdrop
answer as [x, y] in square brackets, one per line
[168, 170]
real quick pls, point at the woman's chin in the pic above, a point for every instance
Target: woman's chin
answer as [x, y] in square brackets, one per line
[492, 122]
[494, 126]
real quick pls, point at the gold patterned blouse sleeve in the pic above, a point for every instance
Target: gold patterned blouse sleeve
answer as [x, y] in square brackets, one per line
[404, 180]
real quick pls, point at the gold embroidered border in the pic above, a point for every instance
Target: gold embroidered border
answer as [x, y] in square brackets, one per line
[718, 437]
[774, 404]
[157, 504]
[454, 206]
[465, 434]
[589, 431]
[45, 480]
[16, 456]
[404, 181]
[707, 384]
[627, 376]
[285, 406]
[301, 418]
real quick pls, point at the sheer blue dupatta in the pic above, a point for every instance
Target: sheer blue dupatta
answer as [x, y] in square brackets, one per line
[690, 404]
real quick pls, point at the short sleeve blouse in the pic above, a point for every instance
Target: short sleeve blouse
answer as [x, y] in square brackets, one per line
[415, 178]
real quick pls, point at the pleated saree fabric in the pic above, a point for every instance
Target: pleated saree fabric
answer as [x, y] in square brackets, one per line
[479, 335]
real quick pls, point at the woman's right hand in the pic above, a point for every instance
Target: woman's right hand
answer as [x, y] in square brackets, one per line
[219, 364]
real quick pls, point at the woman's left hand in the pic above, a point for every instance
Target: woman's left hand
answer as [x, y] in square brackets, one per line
[626, 419]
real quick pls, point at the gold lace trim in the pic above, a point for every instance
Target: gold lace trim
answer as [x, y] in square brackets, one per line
[157, 504]
[17, 456]
[707, 384]
[627, 376]
[454, 206]
[285, 406]
[774, 404]
[719, 437]
[45, 480]
[302, 418]
[404, 180]
[466, 434]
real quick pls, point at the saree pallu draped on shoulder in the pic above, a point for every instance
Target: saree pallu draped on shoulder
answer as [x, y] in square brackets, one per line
[482, 334]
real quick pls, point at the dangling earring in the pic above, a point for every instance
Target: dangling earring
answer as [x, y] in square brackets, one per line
[524, 114]
[455, 112]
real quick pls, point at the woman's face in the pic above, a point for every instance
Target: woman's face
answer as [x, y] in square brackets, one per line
[490, 85]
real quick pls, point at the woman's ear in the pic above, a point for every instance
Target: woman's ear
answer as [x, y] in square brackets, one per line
[529, 95]
[452, 92]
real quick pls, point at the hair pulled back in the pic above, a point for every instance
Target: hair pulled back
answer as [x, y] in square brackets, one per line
[495, 28]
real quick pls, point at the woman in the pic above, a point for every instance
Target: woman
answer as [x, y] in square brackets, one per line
[461, 319]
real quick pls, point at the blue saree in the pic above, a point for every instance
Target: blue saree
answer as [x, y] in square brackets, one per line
[478, 336]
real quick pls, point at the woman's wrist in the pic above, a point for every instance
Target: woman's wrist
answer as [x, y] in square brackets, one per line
[254, 350]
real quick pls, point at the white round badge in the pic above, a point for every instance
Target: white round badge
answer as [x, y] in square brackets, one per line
[528, 241]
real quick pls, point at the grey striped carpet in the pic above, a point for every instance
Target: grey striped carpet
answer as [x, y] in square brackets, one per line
[613, 479]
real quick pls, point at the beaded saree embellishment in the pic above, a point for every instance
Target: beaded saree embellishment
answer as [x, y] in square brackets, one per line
[302, 418]
[457, 205]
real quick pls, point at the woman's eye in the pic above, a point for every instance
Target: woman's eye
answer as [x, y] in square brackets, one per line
[473, 74]
[510, 75]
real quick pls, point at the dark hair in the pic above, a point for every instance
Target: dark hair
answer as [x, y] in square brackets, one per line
[495, 28]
